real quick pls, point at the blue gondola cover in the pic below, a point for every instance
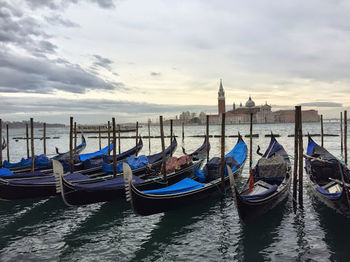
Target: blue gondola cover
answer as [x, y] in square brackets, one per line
[184, 185]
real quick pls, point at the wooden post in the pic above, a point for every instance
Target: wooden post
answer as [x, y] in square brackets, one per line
[137, 134]
[296, 149]
[27, 139]
[8, 143]
[44, 137]
[300, 153]
[163, 168]
[109, 137]
[251, 141]
[341, 134]
[322, 130]
[71, 145]
[114, 148]
[99, 138]
[119, 140]
[75, 137]
[207, 138]
[183, 131]
[171, 136]
[1, 142]
[222, 169]
[346, 137]
[32, 142]
[149, 136]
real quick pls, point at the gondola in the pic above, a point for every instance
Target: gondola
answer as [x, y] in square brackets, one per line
[42, 162]
[74, 194]
[329, 178]
[267, 186]
[187, 191]
[76, 151]
[43, 185]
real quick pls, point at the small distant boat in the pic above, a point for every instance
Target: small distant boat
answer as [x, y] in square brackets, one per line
[268, 185]
[329, 178]
[104, 129]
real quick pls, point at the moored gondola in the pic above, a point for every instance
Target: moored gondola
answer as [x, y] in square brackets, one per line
[38, 184]
[187, 191]
[106, 190]
[329, 178]
[267, 186]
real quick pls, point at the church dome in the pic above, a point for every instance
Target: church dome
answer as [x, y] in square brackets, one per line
[250, 103]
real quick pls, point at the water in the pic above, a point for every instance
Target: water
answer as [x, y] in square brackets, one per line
[47, 230]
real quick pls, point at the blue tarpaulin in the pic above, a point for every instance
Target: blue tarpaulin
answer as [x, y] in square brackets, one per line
[184, 185]
[103, 151]
[133, 161]
[40, 161]
[5, 172]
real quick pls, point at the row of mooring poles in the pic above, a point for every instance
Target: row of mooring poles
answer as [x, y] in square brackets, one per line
[298, 158]
[345, 137]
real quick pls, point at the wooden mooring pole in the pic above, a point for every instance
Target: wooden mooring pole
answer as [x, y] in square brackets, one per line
[222, 169]
[99, 138]
[119, 140]
[114, 149]
[296, 150]
[32, 142]
[251, 142]
[8, 143]
[341, 134]
[163, 168]
[300, 153]
[137, 136]
[346, 137]
[71, 145]
[109, 137]
[44, 137]
[149, 136]
[207, 138]
[322, 131]
[1, 142]
[75, 137]
[27, 139]
[171, 136]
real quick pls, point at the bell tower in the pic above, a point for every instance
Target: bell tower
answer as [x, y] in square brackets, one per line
[221, 99]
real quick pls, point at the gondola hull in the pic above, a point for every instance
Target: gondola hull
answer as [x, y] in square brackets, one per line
[147, 204]
[251, 210]
[74, 197]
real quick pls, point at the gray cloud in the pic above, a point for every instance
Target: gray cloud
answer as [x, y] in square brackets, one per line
[155, 73]
[34, 75]
[102, 62]
[107, 4]
[59, 20]
[322, 104]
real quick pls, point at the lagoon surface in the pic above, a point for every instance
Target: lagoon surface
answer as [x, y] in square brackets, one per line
[47, 230]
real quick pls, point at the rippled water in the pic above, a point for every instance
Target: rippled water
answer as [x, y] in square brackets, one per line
[45, 229]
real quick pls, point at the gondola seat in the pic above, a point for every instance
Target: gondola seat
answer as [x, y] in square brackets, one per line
[261, 190]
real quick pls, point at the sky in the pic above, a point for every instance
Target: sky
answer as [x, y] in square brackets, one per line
[134, 60]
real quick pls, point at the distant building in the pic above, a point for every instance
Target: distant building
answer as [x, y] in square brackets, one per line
[261, 114]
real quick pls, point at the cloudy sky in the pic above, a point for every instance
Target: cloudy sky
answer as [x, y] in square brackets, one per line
[131, 59]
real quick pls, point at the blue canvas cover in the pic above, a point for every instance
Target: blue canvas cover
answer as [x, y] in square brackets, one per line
[184, 185]
[133, 161]
[103, 151]
[113, 183]
[4, 172]
[262, 195]
[40, 161]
